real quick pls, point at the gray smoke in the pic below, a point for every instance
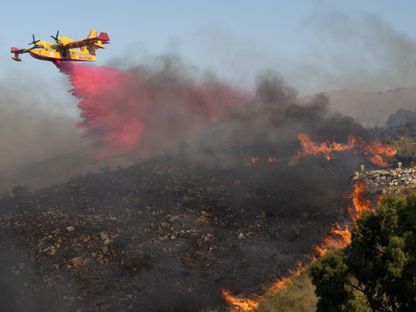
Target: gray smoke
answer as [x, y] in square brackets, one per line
[345, 52]
[276, 115]
[364, 53]
[29, 131]
[340, 51]
[184, 228]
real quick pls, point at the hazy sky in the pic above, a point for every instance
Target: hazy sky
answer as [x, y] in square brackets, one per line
[235, 38]
[314, 45]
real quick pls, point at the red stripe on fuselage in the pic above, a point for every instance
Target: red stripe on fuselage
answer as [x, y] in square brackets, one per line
[53, 59]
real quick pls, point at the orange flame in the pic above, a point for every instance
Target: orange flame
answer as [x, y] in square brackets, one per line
[338, 237]
[284, 281]
[382, 149]
[250, 304]
[272, 160]
[359, 205]
[374, 150]
[256, 159]
[241, 304]
[378, 161]
[326, 149]
[252, 160]
[341, 237]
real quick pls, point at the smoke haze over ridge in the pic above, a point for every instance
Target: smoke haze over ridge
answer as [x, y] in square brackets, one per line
[342, 52]
[31, 132]
[328, 64]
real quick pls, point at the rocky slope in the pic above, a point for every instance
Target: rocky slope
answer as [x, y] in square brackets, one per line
[164, 235]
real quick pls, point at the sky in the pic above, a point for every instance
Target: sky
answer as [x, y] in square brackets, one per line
[236, 39]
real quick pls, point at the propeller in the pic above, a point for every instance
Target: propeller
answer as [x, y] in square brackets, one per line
[56, 37]
[34, 41]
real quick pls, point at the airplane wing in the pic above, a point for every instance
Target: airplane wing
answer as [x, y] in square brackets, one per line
[98, 42]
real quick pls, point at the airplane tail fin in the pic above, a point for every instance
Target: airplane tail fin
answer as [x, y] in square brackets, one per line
[92, 34]
[103, 38]
[16, 52]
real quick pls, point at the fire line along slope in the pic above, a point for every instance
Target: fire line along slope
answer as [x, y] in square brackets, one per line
[170, 228]
[232, 211]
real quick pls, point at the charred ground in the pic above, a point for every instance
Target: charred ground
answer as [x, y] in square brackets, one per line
[166, 234]
[224, 208]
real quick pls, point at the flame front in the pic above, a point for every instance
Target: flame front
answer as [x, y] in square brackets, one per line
[339, 237]
[284, 281]
[326, 149]
[359, 205]
[373, 150]
[253, 160]
[272, 160]
[241, 304]
[250, 304]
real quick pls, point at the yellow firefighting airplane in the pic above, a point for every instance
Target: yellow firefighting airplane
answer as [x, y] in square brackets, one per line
[64, 49]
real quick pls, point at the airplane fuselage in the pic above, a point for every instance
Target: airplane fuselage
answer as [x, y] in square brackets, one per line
[54, 52]
[62, 55]
[64, 48]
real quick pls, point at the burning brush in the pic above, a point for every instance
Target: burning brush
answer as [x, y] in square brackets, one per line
[375, 151]
[339, 237]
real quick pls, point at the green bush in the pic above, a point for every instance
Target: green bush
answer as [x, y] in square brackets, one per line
[377, 272]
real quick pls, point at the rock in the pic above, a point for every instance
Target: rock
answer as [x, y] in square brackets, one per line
[208, 237]
[70, 228]
[51, 250]
[104, 236]
[78, 262]
[388, 181]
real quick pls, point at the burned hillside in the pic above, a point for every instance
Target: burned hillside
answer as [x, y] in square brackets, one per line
[232, 204]
[168, 228]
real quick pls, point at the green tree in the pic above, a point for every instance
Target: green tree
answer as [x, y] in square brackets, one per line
[379, 265]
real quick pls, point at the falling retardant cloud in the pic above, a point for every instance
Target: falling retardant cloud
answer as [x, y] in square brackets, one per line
[151, 109]
[146, 110]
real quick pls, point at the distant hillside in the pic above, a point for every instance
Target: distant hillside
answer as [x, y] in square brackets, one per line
[372, 108]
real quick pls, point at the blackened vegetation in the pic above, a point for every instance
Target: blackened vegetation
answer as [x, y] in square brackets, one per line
[168, 233]
[165, 234]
